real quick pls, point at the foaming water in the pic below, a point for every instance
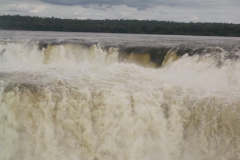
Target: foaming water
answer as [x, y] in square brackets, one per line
[92, 102]
[28, 53]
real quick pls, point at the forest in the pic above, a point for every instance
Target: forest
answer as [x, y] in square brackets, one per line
[16, 22]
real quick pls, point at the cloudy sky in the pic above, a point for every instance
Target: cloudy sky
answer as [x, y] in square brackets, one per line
[170, 10]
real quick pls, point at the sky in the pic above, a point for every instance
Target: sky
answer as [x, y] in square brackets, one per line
[227, 11]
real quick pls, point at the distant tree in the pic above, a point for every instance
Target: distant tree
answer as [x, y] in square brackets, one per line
[16, 22]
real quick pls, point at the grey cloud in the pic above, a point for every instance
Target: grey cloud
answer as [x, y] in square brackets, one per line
[172, 10]
[132, 3]
[139, 4]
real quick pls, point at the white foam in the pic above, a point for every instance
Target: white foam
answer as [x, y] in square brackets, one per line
[77, 107]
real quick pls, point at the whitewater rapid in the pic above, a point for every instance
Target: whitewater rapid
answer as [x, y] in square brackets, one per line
[90, 102]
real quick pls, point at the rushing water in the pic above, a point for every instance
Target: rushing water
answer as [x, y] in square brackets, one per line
[89, 96]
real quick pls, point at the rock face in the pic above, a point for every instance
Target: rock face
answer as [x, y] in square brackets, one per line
[2, 52]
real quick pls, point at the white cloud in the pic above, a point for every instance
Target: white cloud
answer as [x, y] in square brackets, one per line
[209, 13]
[194, 18]
[38, 9]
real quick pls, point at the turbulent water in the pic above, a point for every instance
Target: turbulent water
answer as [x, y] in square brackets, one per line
[92, 96]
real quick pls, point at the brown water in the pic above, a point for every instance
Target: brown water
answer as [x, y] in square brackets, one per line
[113, 96]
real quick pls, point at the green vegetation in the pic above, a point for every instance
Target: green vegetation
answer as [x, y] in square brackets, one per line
[8, 22]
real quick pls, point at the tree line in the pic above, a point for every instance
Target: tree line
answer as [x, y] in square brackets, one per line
[16, 22]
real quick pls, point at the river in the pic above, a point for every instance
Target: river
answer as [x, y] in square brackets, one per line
[92, 96]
